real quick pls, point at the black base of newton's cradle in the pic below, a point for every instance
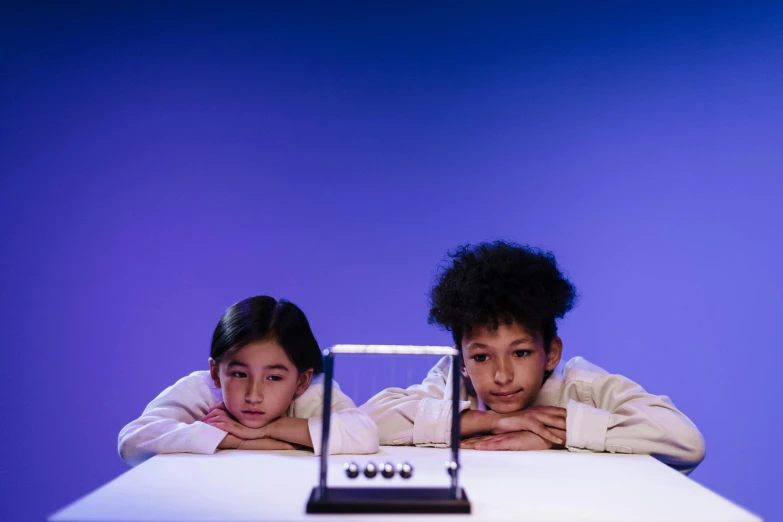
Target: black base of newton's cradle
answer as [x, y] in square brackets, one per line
[387, 500]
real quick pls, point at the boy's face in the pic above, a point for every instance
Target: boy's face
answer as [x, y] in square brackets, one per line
[259, 382]
[506, 366]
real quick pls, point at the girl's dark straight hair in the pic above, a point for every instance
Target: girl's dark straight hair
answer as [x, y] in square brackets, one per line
[263, 318]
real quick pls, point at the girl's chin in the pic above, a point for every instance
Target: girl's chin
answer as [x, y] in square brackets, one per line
[253, 423]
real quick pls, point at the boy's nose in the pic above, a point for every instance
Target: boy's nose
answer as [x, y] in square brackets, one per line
[503, 375]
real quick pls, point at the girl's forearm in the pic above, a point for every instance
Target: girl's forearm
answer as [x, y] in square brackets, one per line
[291, 429]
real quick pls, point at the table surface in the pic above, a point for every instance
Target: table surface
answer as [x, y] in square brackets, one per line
[529, 486]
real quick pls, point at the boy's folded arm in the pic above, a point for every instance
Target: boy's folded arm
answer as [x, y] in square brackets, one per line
[419, 415]
[170, 424]
[627, 419]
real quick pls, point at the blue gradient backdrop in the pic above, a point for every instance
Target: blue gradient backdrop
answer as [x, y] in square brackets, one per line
[160, 162]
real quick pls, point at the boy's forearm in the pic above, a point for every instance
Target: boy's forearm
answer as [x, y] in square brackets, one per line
[473, 422]
[291, 429]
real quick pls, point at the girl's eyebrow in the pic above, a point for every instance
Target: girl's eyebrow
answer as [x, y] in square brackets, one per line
[237, 363]
[276, 367]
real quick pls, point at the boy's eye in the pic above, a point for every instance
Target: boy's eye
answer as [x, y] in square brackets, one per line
[275, 378]
[480, 357]
[239, 375]
[521, 353]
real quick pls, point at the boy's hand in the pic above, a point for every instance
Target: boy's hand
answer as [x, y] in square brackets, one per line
[548, 422]
[517, 441]
[220, 418]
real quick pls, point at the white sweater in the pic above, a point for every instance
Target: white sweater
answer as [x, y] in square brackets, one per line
[605, 412]
[171, 423]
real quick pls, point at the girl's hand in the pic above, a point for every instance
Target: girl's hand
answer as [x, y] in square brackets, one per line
[219, 406]
[220, 418]
[517, 441]
[548, 422]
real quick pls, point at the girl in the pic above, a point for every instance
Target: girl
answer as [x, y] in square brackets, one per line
[262, 391]
[500, 302]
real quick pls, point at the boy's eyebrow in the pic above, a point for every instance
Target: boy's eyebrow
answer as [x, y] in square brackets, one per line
[481, 346]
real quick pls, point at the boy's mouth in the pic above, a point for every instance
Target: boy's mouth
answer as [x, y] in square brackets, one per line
[506, 396]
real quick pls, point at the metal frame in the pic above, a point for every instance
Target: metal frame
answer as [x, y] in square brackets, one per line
[455, 493]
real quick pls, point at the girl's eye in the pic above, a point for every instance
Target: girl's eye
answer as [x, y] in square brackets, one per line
[275, 378]
[522, 353]
[480, 357]
[239, 375]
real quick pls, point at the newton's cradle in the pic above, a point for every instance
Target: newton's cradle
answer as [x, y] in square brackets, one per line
[330, 500]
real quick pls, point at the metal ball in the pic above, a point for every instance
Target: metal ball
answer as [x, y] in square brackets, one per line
[387, 470]
[405, 470]
[451, 467]
[370, 470]
[351, 469]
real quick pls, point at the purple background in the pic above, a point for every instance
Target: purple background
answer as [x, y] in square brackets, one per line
[160, 163]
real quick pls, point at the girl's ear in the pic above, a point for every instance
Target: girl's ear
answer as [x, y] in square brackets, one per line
[304, 382]
[555, 351]
[213, 372]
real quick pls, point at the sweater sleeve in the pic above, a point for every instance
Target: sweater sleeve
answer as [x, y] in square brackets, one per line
[419, 415]
[171, 423]
[350, 429]
[624, 418]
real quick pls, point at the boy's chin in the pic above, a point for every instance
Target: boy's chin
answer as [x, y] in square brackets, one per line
[505, 407]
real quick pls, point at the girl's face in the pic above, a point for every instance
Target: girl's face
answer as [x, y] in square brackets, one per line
[259, 382]
[506, 366]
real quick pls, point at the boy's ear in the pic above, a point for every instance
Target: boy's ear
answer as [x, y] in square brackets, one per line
[462, 369]
[555, 352]
[304, 382]
[466, 377]
[213, 372]
[468, 383]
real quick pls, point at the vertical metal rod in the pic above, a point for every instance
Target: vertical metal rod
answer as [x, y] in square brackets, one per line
[456, 372]
[325, 421]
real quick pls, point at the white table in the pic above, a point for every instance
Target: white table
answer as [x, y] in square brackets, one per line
[514, 486]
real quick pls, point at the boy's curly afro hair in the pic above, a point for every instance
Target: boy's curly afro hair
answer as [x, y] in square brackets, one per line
[496, 283]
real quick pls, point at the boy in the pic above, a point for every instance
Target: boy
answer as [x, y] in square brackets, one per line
[500, 301]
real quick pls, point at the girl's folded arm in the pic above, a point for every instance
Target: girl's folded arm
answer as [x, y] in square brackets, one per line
[171, 424]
